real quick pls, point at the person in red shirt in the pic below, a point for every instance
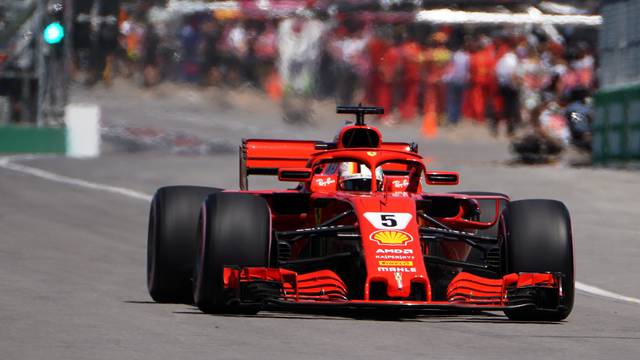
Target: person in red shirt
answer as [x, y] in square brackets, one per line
[376, 48]
[389, 70]
[482, 78]
[410, 78]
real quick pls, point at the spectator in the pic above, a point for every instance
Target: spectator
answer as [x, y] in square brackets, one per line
[457, 79]
[237, 45]
[411, 66]
[437, 58]
[299, 42]
[190, 43]
[584, 64]
[376, 49]
[150, 56]
[390, 66]
[348, 51]
[266, 52]
[508, 85]
[481, 77]
[211, 33]
[534, 75]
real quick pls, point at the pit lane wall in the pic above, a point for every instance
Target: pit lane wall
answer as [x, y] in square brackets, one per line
[616, 127]
[79, 137]
[15, 139]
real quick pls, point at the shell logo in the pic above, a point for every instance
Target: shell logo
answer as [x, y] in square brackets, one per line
[372, 153]
[391, 237]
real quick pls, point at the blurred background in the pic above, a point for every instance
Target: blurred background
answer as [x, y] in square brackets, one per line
[103, 101]
[524, 73]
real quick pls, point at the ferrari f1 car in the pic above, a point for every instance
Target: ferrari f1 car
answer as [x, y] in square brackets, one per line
[357, 231]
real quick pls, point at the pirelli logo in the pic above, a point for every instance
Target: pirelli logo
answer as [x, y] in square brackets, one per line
[395, 263]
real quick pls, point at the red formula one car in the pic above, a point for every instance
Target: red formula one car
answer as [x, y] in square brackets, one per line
[357, 232]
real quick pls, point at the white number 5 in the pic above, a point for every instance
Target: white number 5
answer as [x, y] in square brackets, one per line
[381, 220]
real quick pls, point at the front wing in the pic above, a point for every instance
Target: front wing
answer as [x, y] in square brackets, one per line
[325, 290]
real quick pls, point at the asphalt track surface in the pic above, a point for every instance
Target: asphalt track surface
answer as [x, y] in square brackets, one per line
[73, 257]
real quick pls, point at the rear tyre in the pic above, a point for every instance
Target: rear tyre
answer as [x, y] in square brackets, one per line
[235, 229]
[536, 236]
[171, 242]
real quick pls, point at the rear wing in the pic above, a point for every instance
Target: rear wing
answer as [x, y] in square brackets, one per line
[267, 156]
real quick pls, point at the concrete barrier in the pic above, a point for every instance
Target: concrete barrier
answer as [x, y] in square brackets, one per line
[83, 130]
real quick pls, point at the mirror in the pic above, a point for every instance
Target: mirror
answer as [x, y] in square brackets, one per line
[294, 174]
[442, 178]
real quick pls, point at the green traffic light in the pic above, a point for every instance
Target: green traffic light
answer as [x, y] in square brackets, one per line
[53, 33]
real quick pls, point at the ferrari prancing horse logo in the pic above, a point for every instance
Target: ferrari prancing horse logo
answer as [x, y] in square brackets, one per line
[391, 237]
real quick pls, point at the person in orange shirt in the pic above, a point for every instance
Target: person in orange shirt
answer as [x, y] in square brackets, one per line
[436, 62]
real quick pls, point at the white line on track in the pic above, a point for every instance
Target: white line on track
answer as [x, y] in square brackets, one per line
[605, 293]
[6, 162]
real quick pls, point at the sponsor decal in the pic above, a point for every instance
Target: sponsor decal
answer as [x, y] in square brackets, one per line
[394, 257]
[325, 182]
[391, 237]
[395, 263]
[395, 251]
[372, 153]
[388, 221]
[397, 269]
[400, 183]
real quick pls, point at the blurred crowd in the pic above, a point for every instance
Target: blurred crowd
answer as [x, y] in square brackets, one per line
[438, 74]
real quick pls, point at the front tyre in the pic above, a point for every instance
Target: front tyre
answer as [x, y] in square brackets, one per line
[536, 235]
[171, 242]
[234, 230]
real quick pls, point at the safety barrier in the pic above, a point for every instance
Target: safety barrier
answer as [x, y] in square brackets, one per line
[28, 139]
[80, 137]
[616, 127]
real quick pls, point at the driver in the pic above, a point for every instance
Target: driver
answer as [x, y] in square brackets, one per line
[357, 177]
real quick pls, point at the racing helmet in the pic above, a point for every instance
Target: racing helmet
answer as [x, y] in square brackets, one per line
[357, 177]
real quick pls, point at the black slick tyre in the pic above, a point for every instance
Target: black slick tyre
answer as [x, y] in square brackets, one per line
[536, 235]
[172, 243]
[235, 230]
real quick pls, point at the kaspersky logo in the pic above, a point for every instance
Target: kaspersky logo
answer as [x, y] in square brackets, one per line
[391, 237]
